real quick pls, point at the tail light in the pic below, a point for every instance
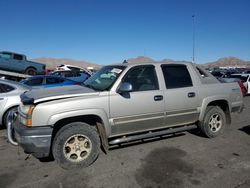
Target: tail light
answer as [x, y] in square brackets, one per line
[60, 68]
[242, 88]
[44, 69]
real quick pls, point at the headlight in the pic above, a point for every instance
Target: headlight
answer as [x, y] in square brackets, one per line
[25, 115]
[27, 109]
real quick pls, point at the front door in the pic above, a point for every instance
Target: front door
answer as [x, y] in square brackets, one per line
[142, 108]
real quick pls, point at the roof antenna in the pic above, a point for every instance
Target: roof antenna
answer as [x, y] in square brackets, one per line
[193, 16]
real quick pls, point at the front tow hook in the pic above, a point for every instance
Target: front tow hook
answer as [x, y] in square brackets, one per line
[10, 133]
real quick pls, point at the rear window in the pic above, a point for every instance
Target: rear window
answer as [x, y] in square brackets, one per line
[74, 68]
[243, 78]
[202, 73]
[176, 76]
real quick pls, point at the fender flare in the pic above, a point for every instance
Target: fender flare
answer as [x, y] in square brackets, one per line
[208, 100]
[103, 128]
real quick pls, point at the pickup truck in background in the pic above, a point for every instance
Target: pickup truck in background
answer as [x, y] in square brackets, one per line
[119, 104]
[14, 62]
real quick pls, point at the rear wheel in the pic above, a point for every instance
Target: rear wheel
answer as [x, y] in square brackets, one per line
[214, 122]
[31, 71]
[76, 145]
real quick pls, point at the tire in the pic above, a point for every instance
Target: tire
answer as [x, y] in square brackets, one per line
[76, 145]
[214, 122]
[6, 114]
[31, 71]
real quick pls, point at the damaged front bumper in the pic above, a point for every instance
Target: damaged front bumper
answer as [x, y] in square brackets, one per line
[34, 140]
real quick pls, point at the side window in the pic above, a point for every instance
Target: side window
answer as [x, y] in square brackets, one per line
[142, 78]
[5, 88]
[69, 74]
[18, 57]
[35, 82]
[78, 74]
[53, 80]
[57, 74]
[176, 76]
[6, 55]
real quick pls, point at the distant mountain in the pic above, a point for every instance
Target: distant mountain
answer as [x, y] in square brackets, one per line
[52, 63]
[228, 62]
[140, 59]
[144, 59]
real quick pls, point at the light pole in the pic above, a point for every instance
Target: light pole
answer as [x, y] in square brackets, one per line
[193, 16]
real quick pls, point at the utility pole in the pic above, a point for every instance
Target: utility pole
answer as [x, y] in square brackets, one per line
[193, 16]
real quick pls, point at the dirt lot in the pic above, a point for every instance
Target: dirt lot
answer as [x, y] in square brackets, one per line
[185, 160]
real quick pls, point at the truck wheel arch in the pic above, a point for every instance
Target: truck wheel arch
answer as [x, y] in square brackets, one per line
[222, 103]
[92, 120]
[30, 68]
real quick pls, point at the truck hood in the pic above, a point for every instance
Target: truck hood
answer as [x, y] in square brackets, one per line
[48, 94]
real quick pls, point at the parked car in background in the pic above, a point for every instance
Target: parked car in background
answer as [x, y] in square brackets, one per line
[14, 62]
[78, 76]
[47, 81]
[222, 73]
[245, 78]
[10, 92]
[72, 68]
[238, 80]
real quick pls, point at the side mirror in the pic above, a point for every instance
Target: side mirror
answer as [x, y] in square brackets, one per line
[125, 88]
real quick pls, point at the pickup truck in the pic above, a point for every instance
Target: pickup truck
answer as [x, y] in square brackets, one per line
[119, 104]
[14, 62]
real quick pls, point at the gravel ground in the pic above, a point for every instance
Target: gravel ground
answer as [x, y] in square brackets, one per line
[184, 160]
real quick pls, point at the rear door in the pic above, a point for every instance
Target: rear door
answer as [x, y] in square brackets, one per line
[18, 64]
[181, 98]
[141, 109]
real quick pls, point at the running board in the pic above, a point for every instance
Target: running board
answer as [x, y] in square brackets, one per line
[151, 134]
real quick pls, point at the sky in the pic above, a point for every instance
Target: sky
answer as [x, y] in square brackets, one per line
[109, 31]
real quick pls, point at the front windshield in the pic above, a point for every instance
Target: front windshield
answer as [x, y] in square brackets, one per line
[104, 78]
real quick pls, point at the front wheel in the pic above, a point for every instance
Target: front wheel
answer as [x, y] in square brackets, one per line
[76, 145]
[214, 122]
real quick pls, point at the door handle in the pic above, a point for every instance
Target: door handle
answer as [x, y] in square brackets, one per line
[158, 97]
[1, 99]
[191, 94]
